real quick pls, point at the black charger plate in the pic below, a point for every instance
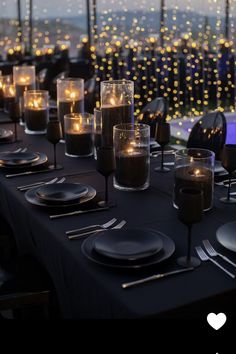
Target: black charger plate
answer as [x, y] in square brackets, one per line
[128, 244]
[166, 252]
[32, 198]
[226, 236]
[62, 193]
[15, 159]
[42, 159]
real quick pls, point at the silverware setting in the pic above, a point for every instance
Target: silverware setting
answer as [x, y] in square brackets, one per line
[104, 226]
[96, 231]
[166, 152]
[29, 173]
[225, 183]
[213, 253]
[79, 212]
[204, 258]
[40, 184]
[154, 277]
[16, 151]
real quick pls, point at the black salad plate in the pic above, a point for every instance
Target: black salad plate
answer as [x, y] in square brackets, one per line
[32, 197]
[128, 244]
[226, 236]
[166, 252]
[18, 158]
[65, 192]
[41, 159]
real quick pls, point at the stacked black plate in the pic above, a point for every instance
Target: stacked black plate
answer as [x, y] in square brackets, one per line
[60, 195]
[6, 136]
[22, 160]
[129, 248]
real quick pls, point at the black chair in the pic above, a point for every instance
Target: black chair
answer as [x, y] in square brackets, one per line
[153, 113]
[25, 287]
[209, 133]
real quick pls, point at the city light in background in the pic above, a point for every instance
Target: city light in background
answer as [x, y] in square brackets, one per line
[183, 50]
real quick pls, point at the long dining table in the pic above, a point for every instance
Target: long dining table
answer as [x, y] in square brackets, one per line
[89, 290]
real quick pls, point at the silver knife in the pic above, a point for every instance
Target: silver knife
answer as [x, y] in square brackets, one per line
[155, 277]
[28, 173]
[79, 212]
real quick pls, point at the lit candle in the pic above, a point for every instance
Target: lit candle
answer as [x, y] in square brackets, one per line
[36, 112]
[70, 97]
[79, 135]
[117, 106]
[196, 178]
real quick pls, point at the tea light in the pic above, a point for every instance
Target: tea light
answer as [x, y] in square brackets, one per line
[79, 135]
[195, 178]
[70, 97]
[117, 106]
[36, 112]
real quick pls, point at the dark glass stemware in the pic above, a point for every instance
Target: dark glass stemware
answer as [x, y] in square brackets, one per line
[15, 115]
[229, 164]
[189, 213]
[54, 135]
[105, 166]
[163, 138]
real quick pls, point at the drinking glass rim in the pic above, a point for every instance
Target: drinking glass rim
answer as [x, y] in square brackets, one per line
[17, 67]
[183, 153]
[37, 92]
[124, 127]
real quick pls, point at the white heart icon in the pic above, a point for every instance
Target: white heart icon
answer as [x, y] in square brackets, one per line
[216, 321]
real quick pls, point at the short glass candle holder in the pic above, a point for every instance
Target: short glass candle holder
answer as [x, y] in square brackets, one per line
[117, 106]
[36, 112]
[79, 134]
[70, 97]
[194, 169]
[132, 153]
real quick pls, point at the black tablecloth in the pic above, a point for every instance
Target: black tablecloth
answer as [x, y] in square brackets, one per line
[86, 290]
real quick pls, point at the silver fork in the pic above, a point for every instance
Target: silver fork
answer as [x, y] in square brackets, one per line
[213, 253]
[117, 227]
[40, 184]
[204, 257]
[225, 183]
[104, 226]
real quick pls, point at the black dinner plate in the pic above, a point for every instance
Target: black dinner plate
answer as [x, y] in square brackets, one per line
[65, 192]
[32, 198]
[18, 158]
[42, 159]
[226, 236]
[128, 244]
[166, 252]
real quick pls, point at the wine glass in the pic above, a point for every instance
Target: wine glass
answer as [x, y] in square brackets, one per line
[105, 166]
[163, 138]
[15, 115]
[191, 204]
[229, 164]
[54, 135]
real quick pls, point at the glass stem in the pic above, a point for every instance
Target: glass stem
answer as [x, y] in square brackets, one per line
[55, 156]
[106, 189]
[162, 157]
[229, 189]
[15, 128]
[189, 242]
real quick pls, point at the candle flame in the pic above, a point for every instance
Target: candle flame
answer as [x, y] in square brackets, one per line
[113, 101]
[76, 127]
[197, 173]
[71, 94]
[24, 79]
[36, 103]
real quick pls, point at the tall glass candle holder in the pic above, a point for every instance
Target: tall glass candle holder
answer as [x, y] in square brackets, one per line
[132, 153]
[24, 80]
[70, 97]
[4, 80]
[36, 112]
[194, 169]
[117, 105]
[79, 134]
